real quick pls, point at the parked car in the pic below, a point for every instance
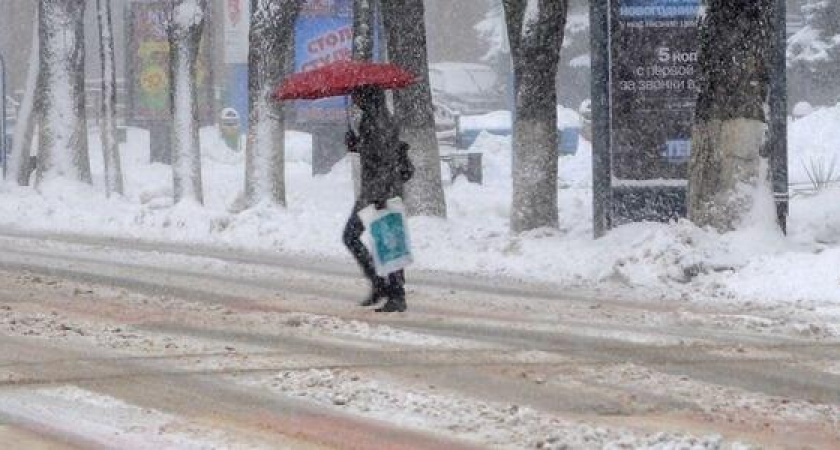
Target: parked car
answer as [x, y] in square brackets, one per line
[500, 123]
[465, 88]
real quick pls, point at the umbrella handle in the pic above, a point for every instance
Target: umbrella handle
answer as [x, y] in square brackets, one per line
[347, 114]
[350, 133]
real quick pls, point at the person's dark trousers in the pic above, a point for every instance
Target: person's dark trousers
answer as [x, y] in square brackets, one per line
[353, 241]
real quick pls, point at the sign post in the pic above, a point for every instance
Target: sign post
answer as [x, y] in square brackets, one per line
[778, 114]
[644, 92]
[601, 161]
[3, 141]
[237, 18]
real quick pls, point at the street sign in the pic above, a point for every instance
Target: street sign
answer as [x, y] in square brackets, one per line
[645, 71]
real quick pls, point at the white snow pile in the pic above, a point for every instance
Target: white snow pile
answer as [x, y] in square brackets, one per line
[722, 403]
[503, 120]
[489, 424]
[319, 324]
[112, 423]
[757, 264]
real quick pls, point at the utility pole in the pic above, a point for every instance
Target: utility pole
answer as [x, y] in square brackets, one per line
[778, 102]
[3, 141]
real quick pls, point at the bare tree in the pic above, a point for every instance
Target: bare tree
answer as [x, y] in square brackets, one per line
[62, 144]
[727, 160]
[185, 27]
[270, 37]
[108, 125]
[535, 31]
[364, 24]
[17, 20]
[19, 159]
[405, 27]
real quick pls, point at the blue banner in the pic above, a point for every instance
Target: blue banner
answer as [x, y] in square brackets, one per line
[237, 93]
[659, 9]
[323, 35]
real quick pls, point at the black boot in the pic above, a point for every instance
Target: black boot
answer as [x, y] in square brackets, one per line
[377, 292]
[393, 305]
[396, 300]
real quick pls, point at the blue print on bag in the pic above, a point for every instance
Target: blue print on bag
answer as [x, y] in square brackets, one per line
[389, 237]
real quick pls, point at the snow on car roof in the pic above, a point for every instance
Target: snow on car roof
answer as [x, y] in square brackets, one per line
[462, 78]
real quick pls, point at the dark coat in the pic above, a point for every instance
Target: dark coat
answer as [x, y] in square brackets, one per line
[385, 163]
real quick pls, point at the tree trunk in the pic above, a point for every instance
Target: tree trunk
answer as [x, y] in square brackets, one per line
[62, 144]
[271, 37]
[18, 19]
[414, 112]
[364, 25]
[19, 159]
[186, 23]
[535, 30]
[108, 124]
[728, 161]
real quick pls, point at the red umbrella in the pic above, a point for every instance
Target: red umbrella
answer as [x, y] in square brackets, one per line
[341, 78]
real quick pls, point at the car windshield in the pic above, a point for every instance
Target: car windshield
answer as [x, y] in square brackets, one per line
[463, 80]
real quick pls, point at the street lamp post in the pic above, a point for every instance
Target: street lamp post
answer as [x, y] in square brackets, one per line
[3, 150]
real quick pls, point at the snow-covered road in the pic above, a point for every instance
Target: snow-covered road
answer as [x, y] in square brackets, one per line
[117, 344]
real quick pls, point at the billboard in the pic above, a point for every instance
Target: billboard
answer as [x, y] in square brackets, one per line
[654, 87]
[148, 65]
[645, 63]
[653, 95]
[323, 34]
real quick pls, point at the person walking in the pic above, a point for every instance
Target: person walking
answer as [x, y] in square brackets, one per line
[385, 168]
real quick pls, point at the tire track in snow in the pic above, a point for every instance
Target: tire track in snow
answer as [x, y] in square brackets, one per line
[580, 343]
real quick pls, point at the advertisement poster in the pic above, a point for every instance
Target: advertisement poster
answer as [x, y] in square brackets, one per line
[148, 65]
[653, 91]
[645, 72]
[237, 16]
[654, 87]
[324, 34]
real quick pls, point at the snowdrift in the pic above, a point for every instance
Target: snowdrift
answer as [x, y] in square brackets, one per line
[674, 261]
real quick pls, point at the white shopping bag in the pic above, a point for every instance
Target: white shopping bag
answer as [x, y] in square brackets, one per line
[386, 236]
